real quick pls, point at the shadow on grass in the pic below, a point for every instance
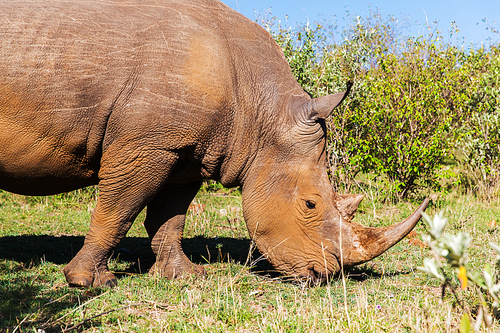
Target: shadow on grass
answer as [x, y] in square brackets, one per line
[23, 292]
[23, 299]
[29, 300]
[33, 250]
[136, 252]
[367, 272]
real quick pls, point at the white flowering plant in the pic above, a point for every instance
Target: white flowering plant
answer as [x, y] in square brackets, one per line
[451, 251]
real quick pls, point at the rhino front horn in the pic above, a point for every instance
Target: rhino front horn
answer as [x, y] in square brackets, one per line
[322, 107]
[361, 244]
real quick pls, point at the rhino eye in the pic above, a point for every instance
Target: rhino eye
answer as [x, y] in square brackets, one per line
[310, 204]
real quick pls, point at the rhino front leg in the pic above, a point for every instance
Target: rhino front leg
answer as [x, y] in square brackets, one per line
[124, 190]
[165, 225]
[90, 265]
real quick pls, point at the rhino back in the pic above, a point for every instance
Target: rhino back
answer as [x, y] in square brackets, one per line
[79, 76]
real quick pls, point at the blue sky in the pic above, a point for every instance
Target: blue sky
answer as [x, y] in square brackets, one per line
[467, 14]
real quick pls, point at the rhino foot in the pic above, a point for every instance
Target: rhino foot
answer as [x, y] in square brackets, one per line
[78, 280]
[89, 268]
[176, 268]
[85, 279]
[105, 279]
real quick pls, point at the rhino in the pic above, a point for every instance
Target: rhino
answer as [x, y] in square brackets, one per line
[146, 99]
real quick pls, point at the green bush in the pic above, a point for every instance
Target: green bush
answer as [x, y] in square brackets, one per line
[413, 101]
[407, 112]
[481, 143]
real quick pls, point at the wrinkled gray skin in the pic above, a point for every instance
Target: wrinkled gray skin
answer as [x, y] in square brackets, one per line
[147, 99]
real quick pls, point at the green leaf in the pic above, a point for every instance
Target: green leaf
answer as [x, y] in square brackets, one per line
[477, 278]
[430, 268]
[455, 248]
[465, 324]
[488, 276]
[496, 248]
[439, 223]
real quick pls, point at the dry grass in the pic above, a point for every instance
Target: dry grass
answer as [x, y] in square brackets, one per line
[386, 294]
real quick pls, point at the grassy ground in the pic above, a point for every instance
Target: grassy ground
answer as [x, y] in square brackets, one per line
[38, 236]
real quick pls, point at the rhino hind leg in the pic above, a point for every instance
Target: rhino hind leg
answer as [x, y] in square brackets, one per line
[165, 225]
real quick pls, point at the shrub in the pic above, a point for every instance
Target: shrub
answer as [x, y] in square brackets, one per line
[410, 101]
[411, 95]
[408, 110]
[481, 143]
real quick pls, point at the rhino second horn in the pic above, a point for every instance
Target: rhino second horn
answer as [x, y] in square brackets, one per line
[347, 204]
[361, 244]
[322, 107]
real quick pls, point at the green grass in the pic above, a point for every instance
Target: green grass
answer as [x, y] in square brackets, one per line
[38, 236]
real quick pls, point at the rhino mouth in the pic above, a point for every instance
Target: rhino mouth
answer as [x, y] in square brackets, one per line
[317, 274]
[315, 271]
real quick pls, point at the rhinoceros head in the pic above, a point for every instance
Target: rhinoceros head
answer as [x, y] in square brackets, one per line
[295, 218]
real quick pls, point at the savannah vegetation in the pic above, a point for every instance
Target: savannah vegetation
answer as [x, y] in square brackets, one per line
[423, 120]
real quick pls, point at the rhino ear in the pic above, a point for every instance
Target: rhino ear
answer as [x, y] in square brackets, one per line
[322, 107]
